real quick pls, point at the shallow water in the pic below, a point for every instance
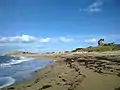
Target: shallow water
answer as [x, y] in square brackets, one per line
[18, 69]
[6, 81]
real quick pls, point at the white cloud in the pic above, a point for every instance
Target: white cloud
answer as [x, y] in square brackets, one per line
[22, 38]
[28, 38]
[45, 40]
[96, 4]
[64, 39]
[94, 7]
[93, 40]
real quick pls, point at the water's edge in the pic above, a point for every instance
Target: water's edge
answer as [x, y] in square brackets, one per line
[12, 81]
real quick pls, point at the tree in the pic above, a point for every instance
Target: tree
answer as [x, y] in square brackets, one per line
[101, 42]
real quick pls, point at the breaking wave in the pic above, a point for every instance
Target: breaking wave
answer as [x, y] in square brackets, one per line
[15, 61]
[6, 81]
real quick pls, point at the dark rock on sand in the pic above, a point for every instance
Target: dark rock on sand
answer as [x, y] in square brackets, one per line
[45, 86]
[117, 88]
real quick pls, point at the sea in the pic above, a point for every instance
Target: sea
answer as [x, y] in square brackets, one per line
[18, 69]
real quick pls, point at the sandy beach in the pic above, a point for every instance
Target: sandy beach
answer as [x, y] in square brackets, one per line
[75, 71]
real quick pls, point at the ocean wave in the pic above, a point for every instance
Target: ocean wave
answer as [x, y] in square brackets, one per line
[7, 81]
[15, 61]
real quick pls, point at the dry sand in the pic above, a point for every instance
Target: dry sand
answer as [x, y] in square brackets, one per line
[75, 71]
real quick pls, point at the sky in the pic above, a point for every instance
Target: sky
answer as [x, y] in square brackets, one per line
[57, 25]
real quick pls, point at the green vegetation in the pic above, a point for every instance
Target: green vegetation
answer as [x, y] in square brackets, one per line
[102, 47]
[114, 47]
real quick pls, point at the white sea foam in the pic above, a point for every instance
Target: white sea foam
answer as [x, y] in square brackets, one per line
[9, 81]
[15, 61]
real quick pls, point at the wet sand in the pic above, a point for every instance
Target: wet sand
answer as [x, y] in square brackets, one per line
[75, 71]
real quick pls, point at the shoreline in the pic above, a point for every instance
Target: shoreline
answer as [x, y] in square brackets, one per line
[32, 72]
[72, 72]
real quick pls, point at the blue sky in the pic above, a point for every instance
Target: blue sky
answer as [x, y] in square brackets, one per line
[57, 25]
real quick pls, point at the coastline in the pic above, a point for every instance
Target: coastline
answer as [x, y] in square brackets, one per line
[69, 73]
